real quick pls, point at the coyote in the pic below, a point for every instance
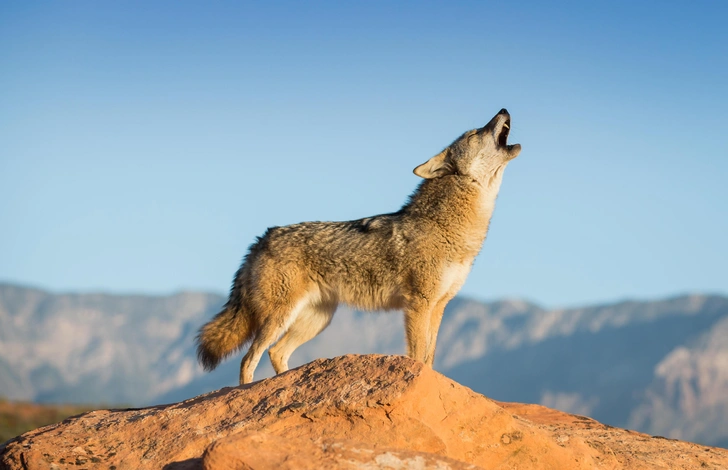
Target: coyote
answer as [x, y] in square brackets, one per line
[415, 260]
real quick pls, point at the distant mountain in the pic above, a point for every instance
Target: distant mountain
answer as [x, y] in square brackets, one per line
[97, 348]
[659, 367]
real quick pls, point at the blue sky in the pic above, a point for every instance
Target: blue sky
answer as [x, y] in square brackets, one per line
[144, 145]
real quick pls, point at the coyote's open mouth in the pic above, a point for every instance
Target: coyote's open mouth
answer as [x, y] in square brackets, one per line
[503, 135]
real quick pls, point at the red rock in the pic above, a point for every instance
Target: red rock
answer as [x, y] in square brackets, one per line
[389, 405]
[262, 451]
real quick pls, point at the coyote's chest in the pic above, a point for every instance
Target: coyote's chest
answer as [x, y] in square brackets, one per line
[453, 277]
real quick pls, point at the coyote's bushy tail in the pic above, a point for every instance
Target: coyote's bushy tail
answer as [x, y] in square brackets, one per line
[227, 332]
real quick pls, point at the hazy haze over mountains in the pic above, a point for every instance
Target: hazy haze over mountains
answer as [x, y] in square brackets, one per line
[659, 367]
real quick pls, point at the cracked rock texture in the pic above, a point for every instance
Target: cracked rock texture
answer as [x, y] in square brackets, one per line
[348, 412]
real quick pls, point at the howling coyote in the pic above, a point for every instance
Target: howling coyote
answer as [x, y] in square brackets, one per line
[415, 260]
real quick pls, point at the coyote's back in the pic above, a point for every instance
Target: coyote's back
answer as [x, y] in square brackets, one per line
[415, 259]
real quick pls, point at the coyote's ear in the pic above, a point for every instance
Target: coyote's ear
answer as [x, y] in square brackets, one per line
[435, 167]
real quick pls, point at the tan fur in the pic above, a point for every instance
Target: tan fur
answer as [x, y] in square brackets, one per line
[415, 259]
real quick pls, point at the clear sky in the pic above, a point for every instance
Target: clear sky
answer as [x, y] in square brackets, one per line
[144, 145]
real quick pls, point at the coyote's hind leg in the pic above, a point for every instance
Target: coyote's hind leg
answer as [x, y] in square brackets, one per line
[312, 320]
[265, 336]
[279, 318]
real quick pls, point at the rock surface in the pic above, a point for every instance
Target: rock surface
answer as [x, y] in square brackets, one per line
[260, 450]
[347, 412]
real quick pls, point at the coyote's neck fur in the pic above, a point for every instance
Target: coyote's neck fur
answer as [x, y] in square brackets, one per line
[459, 205]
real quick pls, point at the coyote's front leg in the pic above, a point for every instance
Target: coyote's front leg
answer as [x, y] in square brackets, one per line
[435, 318]
[417, 326]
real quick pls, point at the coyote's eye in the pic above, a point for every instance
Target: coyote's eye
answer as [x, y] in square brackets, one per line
[503, 135]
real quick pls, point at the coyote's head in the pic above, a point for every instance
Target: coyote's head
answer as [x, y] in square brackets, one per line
[479, 153]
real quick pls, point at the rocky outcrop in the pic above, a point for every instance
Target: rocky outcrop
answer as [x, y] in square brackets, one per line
[347, 412]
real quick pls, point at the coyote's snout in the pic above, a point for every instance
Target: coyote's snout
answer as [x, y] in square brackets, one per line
[415, 259]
